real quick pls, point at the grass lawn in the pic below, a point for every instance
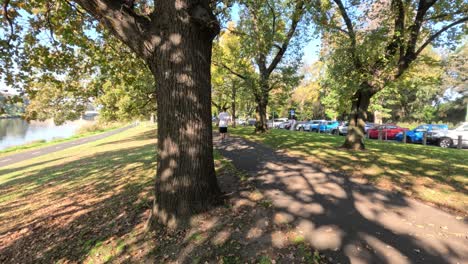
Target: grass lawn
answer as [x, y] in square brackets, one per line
[429, 173]
[84, 204]
[91, 203]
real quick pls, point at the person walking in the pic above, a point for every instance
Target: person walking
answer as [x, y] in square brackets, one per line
[223, 119]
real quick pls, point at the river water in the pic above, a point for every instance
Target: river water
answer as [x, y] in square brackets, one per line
[15, 132]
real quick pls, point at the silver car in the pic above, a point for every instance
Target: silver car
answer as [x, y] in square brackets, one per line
[449, 138]
[342, 130]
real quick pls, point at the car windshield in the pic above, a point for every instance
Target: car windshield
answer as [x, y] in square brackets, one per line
[463, 127]
[438, 127]
[423, 127]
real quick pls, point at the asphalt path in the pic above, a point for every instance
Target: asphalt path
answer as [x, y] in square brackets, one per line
[25, 155]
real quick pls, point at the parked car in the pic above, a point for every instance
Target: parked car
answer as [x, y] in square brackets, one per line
[416, 135]
[251, 121]
[449, 138]
[368, 126]
[327, 126]
[285, 125]
[274, 123]
[312, 125]
[343, 128]
[389, 131]
[241, 122]
[300, 125]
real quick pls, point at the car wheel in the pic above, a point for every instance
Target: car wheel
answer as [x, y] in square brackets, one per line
[408, 140]
[301, 129]
[445, 143]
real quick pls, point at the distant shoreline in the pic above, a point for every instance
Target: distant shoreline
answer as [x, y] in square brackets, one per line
[10, 117]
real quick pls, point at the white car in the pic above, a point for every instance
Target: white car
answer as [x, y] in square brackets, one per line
[300, 125]
[276, 122]
[449, 138]
[241, 122]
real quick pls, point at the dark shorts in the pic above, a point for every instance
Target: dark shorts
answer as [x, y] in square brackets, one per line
[223, 130]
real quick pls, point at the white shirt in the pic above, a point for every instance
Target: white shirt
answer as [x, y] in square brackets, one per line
[223, 119]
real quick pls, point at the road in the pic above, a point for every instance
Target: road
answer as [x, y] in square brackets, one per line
[24, 155]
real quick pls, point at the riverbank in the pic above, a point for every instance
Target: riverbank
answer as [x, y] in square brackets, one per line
[9, 116]
[84, 131]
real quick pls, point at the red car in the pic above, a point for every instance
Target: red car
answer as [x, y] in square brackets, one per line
[388, 131]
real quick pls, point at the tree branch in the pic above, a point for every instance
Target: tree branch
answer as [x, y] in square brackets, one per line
[438, 33]
[129, 27]
[415, 29]
[296, 17]
[220, 64]
[398, 35]
[10, 22]
[273, 28]
[463, 11]
[351, 33]
[408, 59]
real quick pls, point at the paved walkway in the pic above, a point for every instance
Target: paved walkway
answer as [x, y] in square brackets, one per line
[346, 220]
[24, 155]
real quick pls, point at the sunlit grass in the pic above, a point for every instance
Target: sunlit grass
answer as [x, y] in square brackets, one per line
[89, 202]
[430, 173]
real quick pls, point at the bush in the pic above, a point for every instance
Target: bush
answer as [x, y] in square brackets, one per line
[98, 127]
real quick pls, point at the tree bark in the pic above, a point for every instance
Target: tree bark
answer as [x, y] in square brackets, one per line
[358, 117]
[233, 104]
[261, 125]
[186, 183]
[261, 98]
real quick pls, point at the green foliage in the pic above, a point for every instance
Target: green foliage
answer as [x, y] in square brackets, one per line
[65, 62]
[227, 61]
[266, 51]
[368, 49]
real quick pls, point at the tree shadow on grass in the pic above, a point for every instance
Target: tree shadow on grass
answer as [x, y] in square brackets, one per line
[349, 221]
[14, 168]
[396, 166]
[66, 211]
[143, 136]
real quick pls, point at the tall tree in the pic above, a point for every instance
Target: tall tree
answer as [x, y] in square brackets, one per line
[228, 87]
[174, 39]
[377, 41]
[266, 31]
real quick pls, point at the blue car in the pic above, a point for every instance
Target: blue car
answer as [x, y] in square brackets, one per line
[416, 135]
[328, 126]
[312, 125]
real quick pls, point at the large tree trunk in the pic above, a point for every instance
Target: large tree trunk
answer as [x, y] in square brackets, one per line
[233, 105]
[358, 117]
[186, 182]
[261, 125]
